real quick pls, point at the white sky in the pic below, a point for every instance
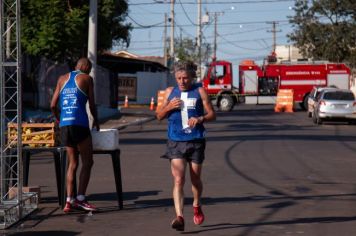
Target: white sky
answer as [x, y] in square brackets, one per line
[243, 28]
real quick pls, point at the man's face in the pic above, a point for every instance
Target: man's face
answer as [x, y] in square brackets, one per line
[184, 81]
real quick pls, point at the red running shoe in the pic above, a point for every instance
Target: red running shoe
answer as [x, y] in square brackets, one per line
[83, 205]
[198, 215]
[178, 223]
[68, 207]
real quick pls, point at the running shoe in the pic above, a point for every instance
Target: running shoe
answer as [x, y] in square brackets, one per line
[198, 215]
[68, 207]
[178, 223]
[83, 205]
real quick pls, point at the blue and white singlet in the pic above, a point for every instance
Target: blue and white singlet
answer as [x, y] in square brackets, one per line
[73, 103]
[178, 129]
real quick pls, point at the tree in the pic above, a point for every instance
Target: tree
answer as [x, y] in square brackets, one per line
[186, 49]
[58, 29]
[325, 29]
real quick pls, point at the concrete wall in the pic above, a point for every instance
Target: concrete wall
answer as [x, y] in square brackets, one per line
[47, 80]
[49, 72]
[106, 92]
[148, 84]
[103, 90]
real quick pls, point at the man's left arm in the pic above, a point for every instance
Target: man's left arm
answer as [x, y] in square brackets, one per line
[210, 114]
[92, 106]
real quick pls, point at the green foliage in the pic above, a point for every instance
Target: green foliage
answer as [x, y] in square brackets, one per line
[325, 29]
[186, 49]
[58, 29]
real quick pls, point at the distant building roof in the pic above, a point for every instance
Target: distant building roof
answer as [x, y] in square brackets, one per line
[123, 64]
[127, 54]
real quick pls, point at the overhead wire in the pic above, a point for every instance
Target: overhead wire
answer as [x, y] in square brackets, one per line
[144, 26]
[182, 26]
[233, 44]
[158, 25]
[215, 2]
[186, 13]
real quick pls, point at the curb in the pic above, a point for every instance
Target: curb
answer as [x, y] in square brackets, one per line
[137, 122]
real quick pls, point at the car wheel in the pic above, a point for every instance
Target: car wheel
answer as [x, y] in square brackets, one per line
[304, 103]
[226, 103]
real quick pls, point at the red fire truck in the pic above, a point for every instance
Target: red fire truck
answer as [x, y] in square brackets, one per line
[259, 85]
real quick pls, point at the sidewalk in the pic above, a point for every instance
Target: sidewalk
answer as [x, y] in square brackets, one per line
[49, 218]
[129, 116]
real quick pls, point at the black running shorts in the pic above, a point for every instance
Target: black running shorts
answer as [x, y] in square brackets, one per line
[72, 135]
[192, 151]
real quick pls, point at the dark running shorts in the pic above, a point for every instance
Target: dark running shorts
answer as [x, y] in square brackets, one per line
[72, 135]
[192, 151]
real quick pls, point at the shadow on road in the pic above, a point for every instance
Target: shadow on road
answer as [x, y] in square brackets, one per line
[309, 220]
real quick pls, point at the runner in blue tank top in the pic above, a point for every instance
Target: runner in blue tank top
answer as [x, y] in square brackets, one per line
[72, 103]
[72, 92]
[187, 107]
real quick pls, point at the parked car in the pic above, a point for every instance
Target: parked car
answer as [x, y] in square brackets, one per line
[335, 104]
[312, 98]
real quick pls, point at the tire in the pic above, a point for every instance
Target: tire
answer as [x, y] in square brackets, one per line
[317, 120]
[226, 103]
[304, 104]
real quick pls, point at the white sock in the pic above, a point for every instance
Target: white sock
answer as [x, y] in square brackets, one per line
[80, 197]
[70, 199]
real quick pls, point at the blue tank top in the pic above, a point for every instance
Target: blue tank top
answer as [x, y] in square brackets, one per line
[72, 102]
[178, 129]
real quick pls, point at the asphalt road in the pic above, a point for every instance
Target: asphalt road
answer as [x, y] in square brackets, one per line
[265, 173]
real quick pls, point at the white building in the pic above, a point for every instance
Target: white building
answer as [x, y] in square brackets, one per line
[288, 53]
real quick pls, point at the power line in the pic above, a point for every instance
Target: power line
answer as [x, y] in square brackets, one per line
[215, 2]
[145, 26]
[235, 45]
[180, 2]
[220, 24]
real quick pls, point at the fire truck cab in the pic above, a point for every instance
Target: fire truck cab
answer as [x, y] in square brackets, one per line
[218, 82]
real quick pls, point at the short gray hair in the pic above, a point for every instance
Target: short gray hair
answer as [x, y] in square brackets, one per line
[188, 66]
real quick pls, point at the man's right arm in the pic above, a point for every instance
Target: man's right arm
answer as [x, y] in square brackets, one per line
[167, 105]
[55, 98]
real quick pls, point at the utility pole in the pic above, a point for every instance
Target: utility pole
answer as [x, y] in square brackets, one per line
[199, 40]
[216, 14]
[92, 49]
[274, 31]
[165, 40]
[172, 32]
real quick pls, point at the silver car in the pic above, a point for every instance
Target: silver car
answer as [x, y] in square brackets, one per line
[312, 98]
[335, 104]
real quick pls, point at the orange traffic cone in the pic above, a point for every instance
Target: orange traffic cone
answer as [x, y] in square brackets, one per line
[126, 104]
[152, 105]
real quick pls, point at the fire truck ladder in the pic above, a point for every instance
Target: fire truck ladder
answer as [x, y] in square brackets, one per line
[14, 205]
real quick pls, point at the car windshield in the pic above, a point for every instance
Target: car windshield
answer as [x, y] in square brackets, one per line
[338, 95]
